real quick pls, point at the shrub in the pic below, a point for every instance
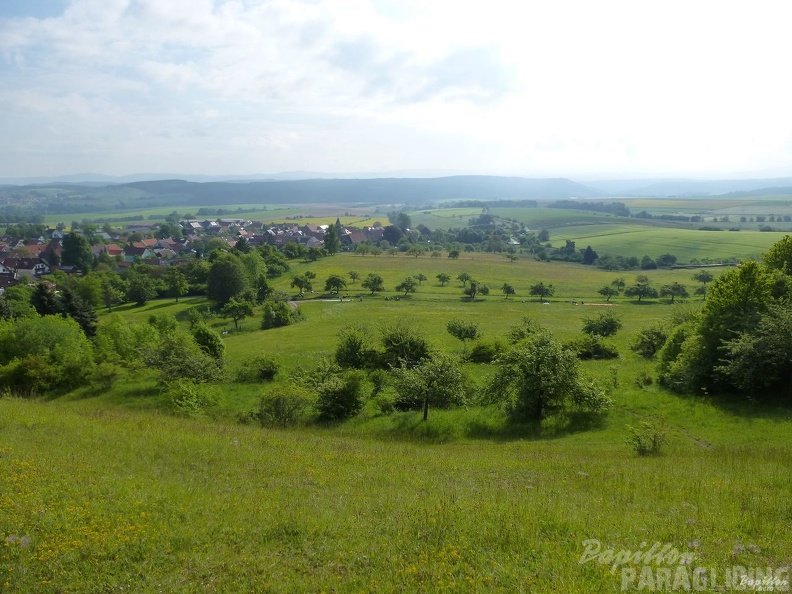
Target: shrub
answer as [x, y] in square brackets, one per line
[340, 396]
[282, 406]
[439, 381]
[354, 350]
[30, 376]
[189, 399]
[648, 438]
[649, 341]
[486, 351]
[404, 345]
[605, 324]
[106, 374]
[526, 328]
[210, 342]
[261, 368]
[591, 346]
[277, 314]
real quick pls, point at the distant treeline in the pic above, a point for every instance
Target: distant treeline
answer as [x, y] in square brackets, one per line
[616, 208]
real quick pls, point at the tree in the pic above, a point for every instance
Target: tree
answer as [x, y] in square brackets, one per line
[538, 378]
[464, 277]
[334, 283]
[472, 290]
[618, 283]
[408, 285]
[355, 349]
[340, 396]
[605, 324]
[140, 286]
[416, 250]
[302, 283]
[404, 345]
[641, 288]
[507, 290]
[332, 238]
[73, 306]
[114, 290]
[443, 278]
[704, 277]
[175, 283]
[277, 313]
[403, 221]
[463, 330]
[589, 256]
[210, 342]
[353, 275]
[226, 279]
[542, 291]
[779, 256]
[439, 381]
[666, 260]
[647, 263]
[453, 254]
[77, 252]
[420, 278]
[674, 290]
[237, 309]
[45, 299]
[373, 282]
[608, 291]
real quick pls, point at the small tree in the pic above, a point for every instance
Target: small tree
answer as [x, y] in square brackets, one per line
[542, 291]
[464, 277]
[404, 345]
[302, 283]
[416, 250]
[374, 283]
[641, 288]
[334, 283]
[704, 277]
[605, 324]
[463, 330]
[507, 290]
[355, 349]
[237, 309]
[353, 275]
[443, 278]
[420, 278]
[608, 291]
[439, 382]
[453, 254]
[674, 290]
[176, 283]
[340, 397]
[408, 285]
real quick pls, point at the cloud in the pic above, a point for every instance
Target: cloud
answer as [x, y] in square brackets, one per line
[299, 84]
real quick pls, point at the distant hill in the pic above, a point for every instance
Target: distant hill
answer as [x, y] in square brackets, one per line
[687, 187]
[89, 197]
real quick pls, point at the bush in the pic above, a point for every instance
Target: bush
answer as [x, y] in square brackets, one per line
[189, 399]
[355, 350]
[29, 377]
[282, 406]
[258, 369]
[210, 342]
[340, 397]
[439, 382]
[486, 351]
[647, 439]
[278, 314]
[106, 374]
[591, 346]
[605, 324]
[404, 345]
[649, 341]
[526, 328]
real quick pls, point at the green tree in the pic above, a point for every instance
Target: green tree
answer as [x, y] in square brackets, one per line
[642, 288]
[779, 256]
[416, 250]
[443, 278]
[373, 282]
[605, 324]
[332, 239]
[463, 330]
[404, 344]
[704, 277]
[408, 285]
[334, 283]
[538, 378]
[453, 254]
[439, 382]
[674, 290]
[464, 277]
[302, 283]
[420, 278]
[237, 309]
[210, 342]
[340, 396]
[608, 291]
[175, 283]
[355, 349]
[507, 290]
[140, 286]
[353, 275]
[542, 291]
[227, 278]
[77, 252]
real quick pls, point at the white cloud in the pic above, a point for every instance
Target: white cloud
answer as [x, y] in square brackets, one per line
[255, 86]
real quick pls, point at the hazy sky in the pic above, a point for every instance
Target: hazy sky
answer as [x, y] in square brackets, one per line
[540, 88]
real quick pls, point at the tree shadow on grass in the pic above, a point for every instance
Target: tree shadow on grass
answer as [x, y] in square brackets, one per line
[773, 407]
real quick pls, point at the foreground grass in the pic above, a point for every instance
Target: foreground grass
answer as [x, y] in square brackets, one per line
[112, 500]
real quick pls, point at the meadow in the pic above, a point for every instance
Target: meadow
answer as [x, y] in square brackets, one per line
[108, 491]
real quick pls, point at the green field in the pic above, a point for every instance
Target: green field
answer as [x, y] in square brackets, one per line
[107, 491]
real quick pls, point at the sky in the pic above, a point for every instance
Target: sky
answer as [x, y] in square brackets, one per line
[568, 88]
